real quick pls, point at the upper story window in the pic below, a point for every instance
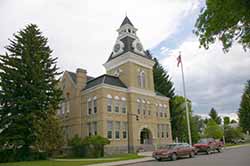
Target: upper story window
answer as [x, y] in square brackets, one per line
[109, 103]
[124, 105]
[67, 106]
[117, 104]
[141, 79]
[89, 106]
[138, 106]
[95, 104]
[62, 108]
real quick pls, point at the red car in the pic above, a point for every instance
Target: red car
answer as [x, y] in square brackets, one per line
[173, 151]
[208, 145]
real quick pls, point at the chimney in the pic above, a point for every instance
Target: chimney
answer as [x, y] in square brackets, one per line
[81, 78]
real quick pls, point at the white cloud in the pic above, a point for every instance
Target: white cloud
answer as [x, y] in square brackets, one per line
[82, 33]
[213, 79]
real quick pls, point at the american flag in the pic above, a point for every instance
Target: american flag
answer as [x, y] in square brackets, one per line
[178, 60]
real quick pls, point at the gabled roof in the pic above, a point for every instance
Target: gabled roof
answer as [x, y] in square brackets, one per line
[105, 79]
[73, 76]
[126, 21]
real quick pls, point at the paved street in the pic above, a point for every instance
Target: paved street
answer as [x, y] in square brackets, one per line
[230, 157]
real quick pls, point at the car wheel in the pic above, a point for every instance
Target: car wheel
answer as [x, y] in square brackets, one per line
[208, 151]
[159, 159]
[219, 149]
[173, 157]
[191, 155]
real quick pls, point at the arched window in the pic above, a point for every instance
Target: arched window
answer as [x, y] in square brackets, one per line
[141, 79]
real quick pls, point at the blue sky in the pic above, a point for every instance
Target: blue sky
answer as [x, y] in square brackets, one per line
[82, 35]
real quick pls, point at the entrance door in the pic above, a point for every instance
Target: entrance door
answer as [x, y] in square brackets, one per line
[145, 136]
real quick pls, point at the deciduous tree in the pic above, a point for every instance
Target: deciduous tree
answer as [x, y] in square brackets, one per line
[213, 130]
[227, 21]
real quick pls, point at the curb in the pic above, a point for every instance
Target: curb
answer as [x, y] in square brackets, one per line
[125, 162]
[236, 146]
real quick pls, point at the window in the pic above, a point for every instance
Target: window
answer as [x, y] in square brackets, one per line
[95, 105]
[144, 109]
[149, 112]
[89, 105]
[67, 107]
[89, 129]
[116, 106]
[141, 79]
[161, 114]
[61, 109]
[110, 129]
[165, 114]
[156, 113]
[124, 130]
[149, 109]
[109, 105]
[138, 106]
[95, 128]
[124, 107]
[117, 129]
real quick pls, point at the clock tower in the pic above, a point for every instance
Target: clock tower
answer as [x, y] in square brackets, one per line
[129, 61]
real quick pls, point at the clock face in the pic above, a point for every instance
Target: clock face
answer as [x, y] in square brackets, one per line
[117, 47]
[139, 46]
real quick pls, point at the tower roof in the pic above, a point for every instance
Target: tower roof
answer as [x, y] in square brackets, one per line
[126, 21]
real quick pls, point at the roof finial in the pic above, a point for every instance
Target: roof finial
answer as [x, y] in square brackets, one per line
[126, 14]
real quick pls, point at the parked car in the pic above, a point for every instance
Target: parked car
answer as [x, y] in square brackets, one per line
[173, 151]
[208, 145]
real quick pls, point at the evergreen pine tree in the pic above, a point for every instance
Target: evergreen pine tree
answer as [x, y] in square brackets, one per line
[162, 81]
[244, 111]
[214, 116]
[28, 86]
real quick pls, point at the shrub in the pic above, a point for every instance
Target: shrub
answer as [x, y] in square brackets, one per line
[96, 145]
[92, 146]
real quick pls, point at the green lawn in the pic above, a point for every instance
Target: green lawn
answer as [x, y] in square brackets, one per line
[72, 163]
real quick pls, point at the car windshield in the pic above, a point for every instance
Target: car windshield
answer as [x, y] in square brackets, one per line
[203, 141]
[170, 146]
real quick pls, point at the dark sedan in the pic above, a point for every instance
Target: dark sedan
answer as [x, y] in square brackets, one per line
[173, 151]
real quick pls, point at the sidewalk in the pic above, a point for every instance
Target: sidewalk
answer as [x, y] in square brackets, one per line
[125, 162]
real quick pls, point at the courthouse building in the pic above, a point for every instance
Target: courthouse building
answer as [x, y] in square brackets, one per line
[121, 105]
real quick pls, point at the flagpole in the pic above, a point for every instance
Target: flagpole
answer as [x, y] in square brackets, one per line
[186, 104]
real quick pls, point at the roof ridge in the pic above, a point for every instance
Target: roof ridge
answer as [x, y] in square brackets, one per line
[96, 78]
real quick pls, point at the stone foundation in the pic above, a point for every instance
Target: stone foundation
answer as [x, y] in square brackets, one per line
[110, 150]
